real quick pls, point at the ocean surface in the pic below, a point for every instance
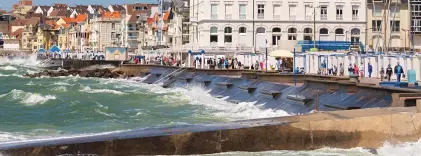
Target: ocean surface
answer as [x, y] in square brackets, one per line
[46, 107]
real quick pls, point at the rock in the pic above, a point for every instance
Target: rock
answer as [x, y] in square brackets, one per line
[101, 73]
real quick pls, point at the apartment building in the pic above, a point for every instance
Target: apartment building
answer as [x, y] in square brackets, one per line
[415, 27]
[28, 34]
[242, 23]
[387, 25]
[105, 31]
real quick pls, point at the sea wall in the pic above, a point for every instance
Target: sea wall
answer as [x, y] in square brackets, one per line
[78, 64]
[368, 128]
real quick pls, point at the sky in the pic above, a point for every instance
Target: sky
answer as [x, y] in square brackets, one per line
[7, 4]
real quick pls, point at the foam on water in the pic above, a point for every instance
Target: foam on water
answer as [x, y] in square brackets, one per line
[27, 98]
[89, 90]
[8, 68]
[406, 149]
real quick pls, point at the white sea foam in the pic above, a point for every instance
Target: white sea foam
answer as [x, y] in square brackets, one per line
[3, 75]
[29, 62]
[30, 99]
[408, 148]
[60, 89]
[89, 90]
[8, 68]
[60, 83]
[6, 136]
[30, 83]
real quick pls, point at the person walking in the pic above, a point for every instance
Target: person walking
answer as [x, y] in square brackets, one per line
[341, 69]
[398, 72]
[370, 69]
[381, 74]
[356, 70]
[389, 72]
[323, 65]
[350, 69]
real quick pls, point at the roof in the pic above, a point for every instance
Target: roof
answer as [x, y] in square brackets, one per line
[45, 8]
[19, 22]
[17, 33]
[81, 18]
[144, 7]
[26, 2]
[110, 15]
[68, 19]
[98, 8]
[33, 21]
[117, 7]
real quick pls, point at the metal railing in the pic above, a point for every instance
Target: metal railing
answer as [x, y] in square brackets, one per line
[354, 17]
[174, 73]
[243, 16]
[339, 17]
[260, 16]
[214, 16]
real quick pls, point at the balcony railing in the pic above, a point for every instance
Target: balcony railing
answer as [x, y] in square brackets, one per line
[339, 17]
[309, 18]
[323, 17]
[228, 16]
[276, 17]
[260, 16]
[355, 17]
[377, 29]
[243, 16]
[214, 16]
[292, 17]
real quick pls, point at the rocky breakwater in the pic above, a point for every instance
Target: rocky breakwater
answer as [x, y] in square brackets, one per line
[100, 73]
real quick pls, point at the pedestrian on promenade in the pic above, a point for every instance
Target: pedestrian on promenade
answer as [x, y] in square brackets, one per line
[256, 65]
[370, 69]
[381, 74]
[323, 65]
[350, 69]
[389, 72]
[341, 69]
[356, 70]
[398, 71]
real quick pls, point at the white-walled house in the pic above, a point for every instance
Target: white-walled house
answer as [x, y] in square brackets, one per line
[237, 23]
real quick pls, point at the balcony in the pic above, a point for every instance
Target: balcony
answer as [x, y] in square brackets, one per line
[354, 17]
[228, 16]
[339, 17]
[214, 16]
[243, 16]
[260, 16]
[292, 17]
[309, 18]
[377, 29]
[133, 29]
[323, 17]
[276, 17]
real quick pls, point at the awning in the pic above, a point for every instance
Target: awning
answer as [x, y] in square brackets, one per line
[282, 53]
[41, 50]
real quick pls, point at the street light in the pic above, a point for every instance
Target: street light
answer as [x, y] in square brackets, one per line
[405, 30]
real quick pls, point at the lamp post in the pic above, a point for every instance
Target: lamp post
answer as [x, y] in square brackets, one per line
[266, 55]
[405, 30]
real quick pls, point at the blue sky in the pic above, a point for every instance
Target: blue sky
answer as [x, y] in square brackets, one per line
[7, 4]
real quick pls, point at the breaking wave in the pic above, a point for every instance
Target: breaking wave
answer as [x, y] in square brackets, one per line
[8, 68]
[89, 90]
[27, 98]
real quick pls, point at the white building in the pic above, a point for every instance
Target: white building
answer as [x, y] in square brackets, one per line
[249, 23]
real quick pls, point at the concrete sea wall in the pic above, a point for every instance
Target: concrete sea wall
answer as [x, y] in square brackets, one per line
[368, 128]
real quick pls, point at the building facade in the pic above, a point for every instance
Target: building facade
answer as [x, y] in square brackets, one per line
[387, 25]
[105, 31]
[242, 23]
[415, 27]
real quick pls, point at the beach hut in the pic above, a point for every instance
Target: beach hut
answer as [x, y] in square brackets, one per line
[54, 49]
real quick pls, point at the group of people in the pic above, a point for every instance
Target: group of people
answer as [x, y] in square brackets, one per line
[226, 63]
[359, 71]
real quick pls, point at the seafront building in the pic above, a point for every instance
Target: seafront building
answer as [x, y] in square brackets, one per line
[249, 23]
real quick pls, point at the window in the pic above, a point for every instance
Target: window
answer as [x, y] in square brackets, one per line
[228, 11]
[395, 26]
[227, 35]
[292, 13]
[292, 30]
[277, 12]
[323, 12]
[309, 12]
[214, 34]
[214, 11]
[260, 11]
[113, 35]
[308, 30]
[324, 31]
[113, 26]
[292, 34]
[260, 30]
[376, 25]
[276, 35]
[339, 14]
[377, 9]
[243, 30]
[243, 11]
[394, 11]
[354, 13]
[339, 31]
